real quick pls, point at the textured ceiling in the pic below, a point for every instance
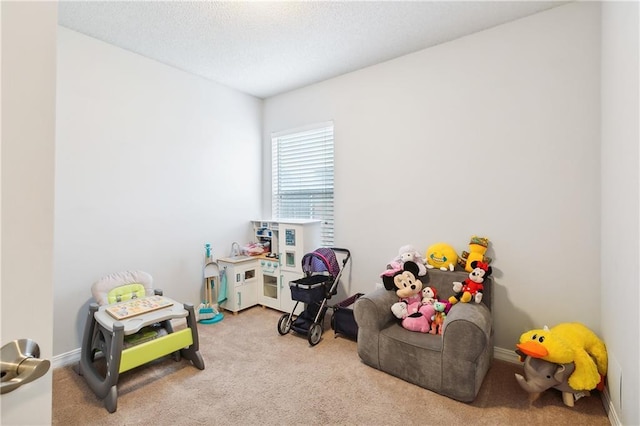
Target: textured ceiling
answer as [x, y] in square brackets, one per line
[267, 48]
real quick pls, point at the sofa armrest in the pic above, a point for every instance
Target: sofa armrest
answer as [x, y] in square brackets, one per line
[467, 330]
[467, 350]
[372, 313]
[373, 310]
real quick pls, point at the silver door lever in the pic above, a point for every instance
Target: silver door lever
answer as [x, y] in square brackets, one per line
[20, 363]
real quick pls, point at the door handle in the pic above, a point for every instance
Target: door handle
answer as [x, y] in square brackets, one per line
[20, 364]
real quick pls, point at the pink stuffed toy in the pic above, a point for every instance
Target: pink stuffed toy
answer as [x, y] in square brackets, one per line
[415, 315]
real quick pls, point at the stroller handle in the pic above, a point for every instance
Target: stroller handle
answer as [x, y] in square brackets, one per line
[344, 251]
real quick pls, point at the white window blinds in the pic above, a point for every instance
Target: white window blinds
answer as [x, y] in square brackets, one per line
[302, 167]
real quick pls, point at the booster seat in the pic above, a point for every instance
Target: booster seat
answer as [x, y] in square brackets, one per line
[127, 285]
[130, 342]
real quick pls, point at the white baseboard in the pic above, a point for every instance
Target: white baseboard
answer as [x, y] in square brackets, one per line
[610, 408]
[508, 355]
[65, 359]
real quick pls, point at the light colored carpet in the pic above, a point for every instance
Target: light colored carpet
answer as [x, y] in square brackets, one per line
[255, 376]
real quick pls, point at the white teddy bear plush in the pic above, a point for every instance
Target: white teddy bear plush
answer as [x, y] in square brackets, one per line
[429, 295]
[409, 253]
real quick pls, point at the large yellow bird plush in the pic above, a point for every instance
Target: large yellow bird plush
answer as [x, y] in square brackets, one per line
[566, 343]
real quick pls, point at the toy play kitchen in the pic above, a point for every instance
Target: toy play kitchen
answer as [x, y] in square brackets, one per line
[263, 278]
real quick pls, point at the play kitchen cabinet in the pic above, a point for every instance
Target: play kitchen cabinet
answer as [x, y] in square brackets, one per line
[289, 239]
[265, 279]
[242, 282]
[273, 285]
[286, 303]
[295, 239]
[270, 288]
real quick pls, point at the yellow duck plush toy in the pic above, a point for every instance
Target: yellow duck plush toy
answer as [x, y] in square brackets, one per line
[566, 343]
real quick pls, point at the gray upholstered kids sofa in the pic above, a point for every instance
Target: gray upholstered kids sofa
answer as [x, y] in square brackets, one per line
[453, 364]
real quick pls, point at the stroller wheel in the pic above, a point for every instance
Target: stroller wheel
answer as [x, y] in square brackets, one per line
[315, 333]
[284, 324]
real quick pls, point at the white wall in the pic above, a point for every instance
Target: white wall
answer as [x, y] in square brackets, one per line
[495, 134]
[151, 163]
[620, 205]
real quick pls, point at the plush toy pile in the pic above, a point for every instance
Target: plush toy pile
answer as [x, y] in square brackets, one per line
[418, 308]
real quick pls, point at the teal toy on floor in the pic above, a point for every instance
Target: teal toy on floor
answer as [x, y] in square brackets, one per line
[207, 312]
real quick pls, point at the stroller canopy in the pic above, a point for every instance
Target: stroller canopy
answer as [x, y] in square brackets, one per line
[321, 260]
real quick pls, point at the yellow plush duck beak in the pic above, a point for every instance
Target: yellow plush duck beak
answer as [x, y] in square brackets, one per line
[533, 349]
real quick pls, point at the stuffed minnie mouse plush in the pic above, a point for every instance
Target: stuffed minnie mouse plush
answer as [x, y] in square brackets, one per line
[415, 315]
[472, 287]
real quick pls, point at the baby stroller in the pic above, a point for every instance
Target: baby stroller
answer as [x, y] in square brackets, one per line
[322, 274]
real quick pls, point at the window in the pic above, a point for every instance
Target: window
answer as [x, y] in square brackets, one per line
[302, 181]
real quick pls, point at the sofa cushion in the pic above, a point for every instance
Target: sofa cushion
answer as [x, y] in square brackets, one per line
[402, 350]
[432, 342]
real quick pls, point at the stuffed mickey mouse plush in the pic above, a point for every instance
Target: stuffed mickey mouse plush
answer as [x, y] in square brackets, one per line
[472, 287]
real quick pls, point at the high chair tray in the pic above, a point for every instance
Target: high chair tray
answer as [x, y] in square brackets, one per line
[138, 306]
[165, 309]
